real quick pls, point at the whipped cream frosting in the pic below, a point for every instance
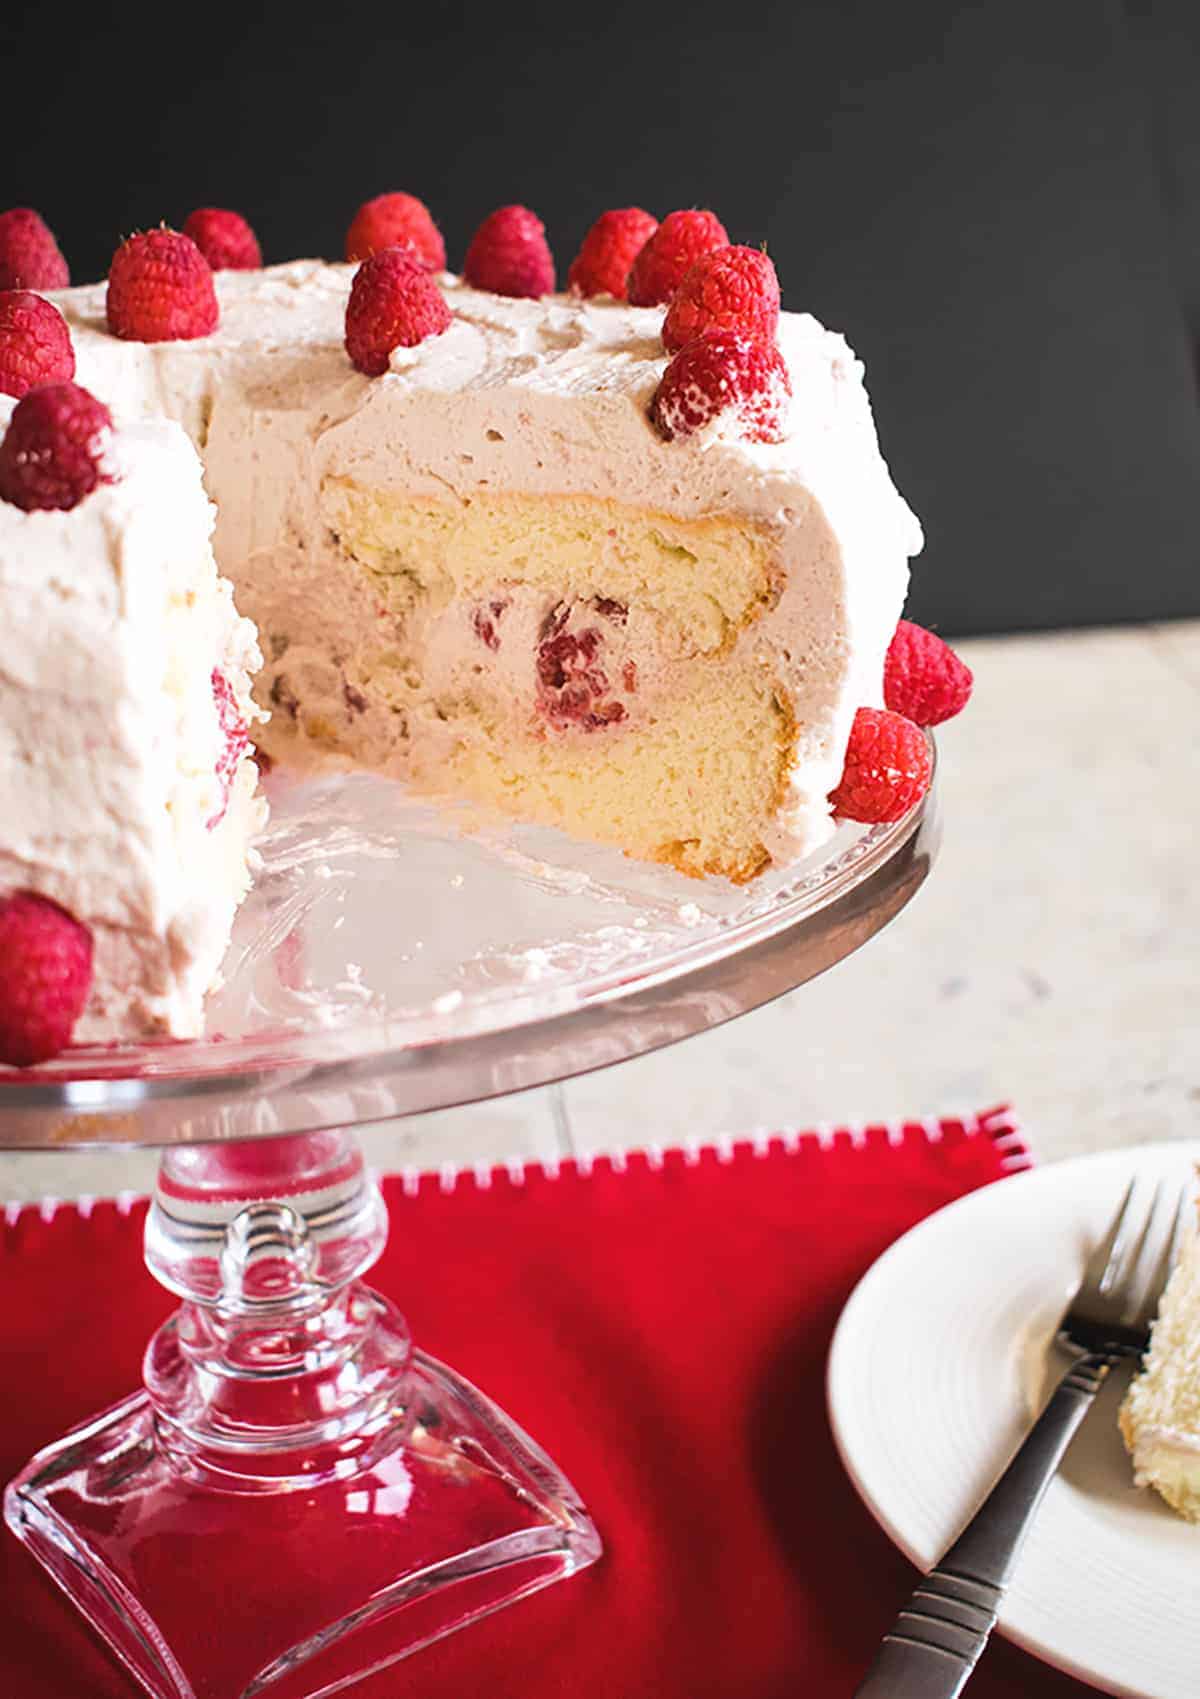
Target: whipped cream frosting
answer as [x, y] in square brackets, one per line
[545, 397]
[114, 619]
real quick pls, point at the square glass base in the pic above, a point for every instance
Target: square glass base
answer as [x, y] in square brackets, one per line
[288, 1590]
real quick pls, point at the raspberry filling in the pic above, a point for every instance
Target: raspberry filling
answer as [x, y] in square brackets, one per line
[485, 622]
[573, 687]
[236, 734]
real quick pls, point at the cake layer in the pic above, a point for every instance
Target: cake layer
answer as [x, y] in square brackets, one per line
[371, 524]
[706, 578]
[691, 786]
[125, 668]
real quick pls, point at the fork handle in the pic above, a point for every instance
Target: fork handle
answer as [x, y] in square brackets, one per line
[938, 1636]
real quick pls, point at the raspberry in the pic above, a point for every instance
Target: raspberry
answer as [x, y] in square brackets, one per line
[29, 255]
[572, 684]
[393, 303]
[601, 267]
[160, 289]
[923, 678]
[731, 289]
[53, 452]
[45, 977]
[485, 621]
[391, 220]
[726, 385]
[35, 344]
[224, 238]
[509, 254]
[236, 735]
[887, 769]
[676, 245]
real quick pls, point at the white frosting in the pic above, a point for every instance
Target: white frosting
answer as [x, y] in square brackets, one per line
[114, 619]
[542, 397]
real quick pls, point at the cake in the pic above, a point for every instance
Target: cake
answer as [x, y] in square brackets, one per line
[127, 791]
[1160, 1415]
[492, 569]
[486, 574]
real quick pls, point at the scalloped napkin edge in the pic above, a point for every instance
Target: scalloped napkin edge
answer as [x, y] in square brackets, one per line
[1000, 1125]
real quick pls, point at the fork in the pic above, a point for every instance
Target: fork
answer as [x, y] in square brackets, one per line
[940, 1633]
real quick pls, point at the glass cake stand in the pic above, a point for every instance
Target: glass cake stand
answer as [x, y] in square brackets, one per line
[290, 1447]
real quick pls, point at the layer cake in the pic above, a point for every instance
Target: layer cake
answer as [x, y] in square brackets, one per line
[485, 573]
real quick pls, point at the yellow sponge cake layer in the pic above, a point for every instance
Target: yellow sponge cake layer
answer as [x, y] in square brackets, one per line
[705, 577]
[691, 788]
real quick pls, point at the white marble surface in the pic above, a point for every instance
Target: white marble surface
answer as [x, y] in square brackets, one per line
[1050, 962]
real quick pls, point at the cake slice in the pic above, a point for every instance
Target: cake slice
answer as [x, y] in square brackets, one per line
[128, 794]
[1160, 1415]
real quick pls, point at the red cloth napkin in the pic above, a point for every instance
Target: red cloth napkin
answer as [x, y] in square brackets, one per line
[661, 1325]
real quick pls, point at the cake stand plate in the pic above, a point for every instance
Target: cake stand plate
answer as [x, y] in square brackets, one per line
[298, 1497]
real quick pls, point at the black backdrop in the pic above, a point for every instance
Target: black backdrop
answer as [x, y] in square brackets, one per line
[998, 202]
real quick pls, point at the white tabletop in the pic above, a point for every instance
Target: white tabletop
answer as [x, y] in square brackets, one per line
[1051, 961]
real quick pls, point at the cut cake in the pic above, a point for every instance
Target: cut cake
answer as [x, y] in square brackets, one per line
[484, 573]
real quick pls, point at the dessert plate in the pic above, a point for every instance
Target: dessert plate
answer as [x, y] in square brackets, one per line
[941, 1358]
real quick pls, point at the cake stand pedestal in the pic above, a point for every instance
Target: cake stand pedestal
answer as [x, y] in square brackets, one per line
[299, 1496]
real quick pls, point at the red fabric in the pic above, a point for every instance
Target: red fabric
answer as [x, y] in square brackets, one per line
[662, 1330]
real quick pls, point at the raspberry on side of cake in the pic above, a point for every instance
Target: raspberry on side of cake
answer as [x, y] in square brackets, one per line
[488, 573]
[1160, 1415]
[128, 795]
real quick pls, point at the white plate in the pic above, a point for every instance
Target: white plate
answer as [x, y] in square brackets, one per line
[939, 1360]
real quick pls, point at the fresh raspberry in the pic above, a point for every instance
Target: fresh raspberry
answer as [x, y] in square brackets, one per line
[660, 266]
[731, 289]
[35, 344]
[224, 238]
[53, 452]
[160, 289]
[391, 220]
[601, 267]
[45, 977]
[733, 386]
[236, 735]
[923, 678]
[887, 770]
[29, 255]
[393, 303]
[509, 254]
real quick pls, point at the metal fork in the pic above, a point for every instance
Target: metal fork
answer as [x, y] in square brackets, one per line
[940, 1633]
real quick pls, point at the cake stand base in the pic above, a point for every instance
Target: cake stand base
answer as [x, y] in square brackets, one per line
[298, 1498]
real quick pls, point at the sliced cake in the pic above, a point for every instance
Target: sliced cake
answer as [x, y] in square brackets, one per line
[1160, 1415]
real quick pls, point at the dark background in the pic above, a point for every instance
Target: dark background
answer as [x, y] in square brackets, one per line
[998, 203]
